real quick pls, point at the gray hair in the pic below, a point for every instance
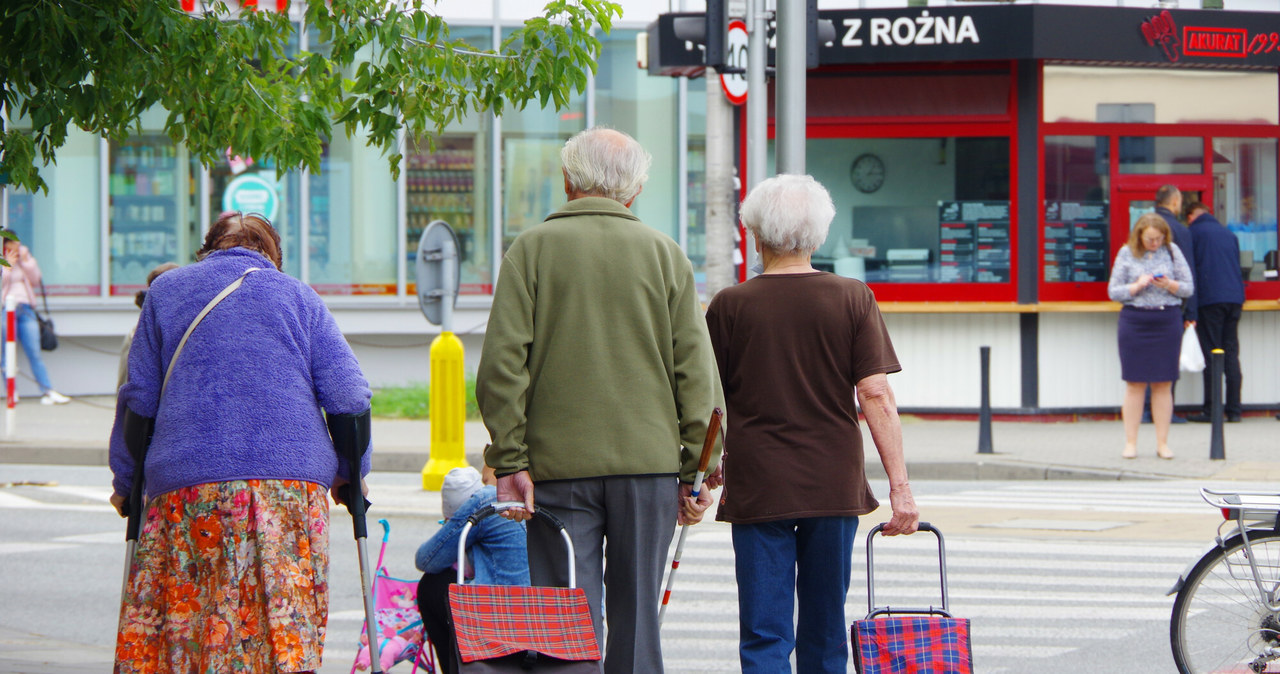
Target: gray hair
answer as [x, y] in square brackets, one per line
[789, 213]
[604, 162]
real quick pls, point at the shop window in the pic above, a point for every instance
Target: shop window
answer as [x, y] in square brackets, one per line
[643, 106]
[352, 230]
[1075, 242]
[1160, 95]
[1244, 197]
[532, 184]
[62, 227]
[154, 208]
[696, 215]
[352, 217]
[450, 183]
[1160, 155]
[916, 210]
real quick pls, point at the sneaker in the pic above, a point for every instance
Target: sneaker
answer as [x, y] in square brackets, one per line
[1175, 419]
[1199, 418]
[54, 398]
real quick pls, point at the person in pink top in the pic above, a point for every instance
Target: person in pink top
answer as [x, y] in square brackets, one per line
[19, 281]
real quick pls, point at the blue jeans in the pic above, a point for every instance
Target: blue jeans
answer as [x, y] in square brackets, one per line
[776, 562]
[29, 337]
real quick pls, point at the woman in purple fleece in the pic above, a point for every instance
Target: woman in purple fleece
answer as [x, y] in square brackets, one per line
[231, 567]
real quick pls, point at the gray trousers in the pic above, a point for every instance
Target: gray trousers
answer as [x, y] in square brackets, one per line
[635, 517]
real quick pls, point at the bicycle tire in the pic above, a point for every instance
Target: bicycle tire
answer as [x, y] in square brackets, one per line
[1219, 622]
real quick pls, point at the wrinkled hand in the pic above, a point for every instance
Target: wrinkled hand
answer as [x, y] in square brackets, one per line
[714, 479]
[905, 515]
[691, 511]
[117, 502]
[339, 483]
[517, 487]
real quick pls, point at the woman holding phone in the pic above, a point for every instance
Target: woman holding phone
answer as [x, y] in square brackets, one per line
[1150, 278]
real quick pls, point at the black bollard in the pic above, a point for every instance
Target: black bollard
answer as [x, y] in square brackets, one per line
[984, 412]
[1217, 451]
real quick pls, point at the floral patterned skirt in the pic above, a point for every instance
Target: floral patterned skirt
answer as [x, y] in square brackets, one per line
[229, 577]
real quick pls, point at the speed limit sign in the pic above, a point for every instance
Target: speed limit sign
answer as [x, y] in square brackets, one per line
[735, 85]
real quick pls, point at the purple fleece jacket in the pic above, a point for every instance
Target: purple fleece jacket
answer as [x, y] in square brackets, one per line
[245, 399]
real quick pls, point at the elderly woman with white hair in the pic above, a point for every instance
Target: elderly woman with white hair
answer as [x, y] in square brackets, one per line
[794, 345]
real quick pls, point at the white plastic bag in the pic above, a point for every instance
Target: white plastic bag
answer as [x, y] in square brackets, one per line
[1192, 358]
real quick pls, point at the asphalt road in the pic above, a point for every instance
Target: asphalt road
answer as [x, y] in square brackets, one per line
[1056, 576]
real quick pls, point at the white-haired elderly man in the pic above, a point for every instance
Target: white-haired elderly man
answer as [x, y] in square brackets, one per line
[794, 346]
[596, 371]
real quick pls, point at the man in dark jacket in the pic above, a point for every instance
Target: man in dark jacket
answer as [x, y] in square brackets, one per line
[1168, 206]
[1220, 288]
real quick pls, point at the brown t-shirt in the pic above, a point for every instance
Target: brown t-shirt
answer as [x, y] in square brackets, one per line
[790, 349]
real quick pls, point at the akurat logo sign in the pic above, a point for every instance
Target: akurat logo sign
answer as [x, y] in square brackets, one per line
[1161, 30]
[1206, 41]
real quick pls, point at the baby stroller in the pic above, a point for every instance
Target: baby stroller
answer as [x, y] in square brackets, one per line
[401, 636]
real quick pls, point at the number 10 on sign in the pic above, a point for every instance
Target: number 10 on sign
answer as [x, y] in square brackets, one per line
[735, 85]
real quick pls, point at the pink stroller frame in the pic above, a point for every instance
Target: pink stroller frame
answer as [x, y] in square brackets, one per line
[401, 635]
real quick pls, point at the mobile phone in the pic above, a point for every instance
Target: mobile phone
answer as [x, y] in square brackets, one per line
[1158, 276]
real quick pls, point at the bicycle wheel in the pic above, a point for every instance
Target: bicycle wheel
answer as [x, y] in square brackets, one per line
[1219, 622]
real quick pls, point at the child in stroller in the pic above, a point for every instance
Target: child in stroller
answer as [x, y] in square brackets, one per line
[496, 554]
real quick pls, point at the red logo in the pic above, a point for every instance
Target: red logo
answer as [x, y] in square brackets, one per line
[1228, 42]
[1161, 29]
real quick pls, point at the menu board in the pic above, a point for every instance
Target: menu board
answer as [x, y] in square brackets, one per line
[1076, 247]
[973, 242]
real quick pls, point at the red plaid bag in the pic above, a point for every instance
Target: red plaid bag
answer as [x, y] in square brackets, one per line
[505, 628]
[924, 640]
[912, 645]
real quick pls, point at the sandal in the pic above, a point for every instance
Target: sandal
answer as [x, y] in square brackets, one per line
[1166, 454]
[1130, 452]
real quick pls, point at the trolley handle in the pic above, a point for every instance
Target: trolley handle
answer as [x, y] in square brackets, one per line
[872, 611]
[503, 506]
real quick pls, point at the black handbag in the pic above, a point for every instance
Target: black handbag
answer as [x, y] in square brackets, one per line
[48, 338]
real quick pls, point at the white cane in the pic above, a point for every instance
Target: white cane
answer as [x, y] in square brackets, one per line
[709, 444]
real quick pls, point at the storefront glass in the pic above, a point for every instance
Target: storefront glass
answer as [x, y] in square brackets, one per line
[1160, 155]
[1244, 197]
[155, 212]
[452, 183]
[63, 227]
[631, 101]
[696, 216]
[1075, 243]
[532, 184]
[352, 232]
[352, 220]
[916, 210]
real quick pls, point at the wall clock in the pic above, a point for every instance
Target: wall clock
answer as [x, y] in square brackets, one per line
[867, 173]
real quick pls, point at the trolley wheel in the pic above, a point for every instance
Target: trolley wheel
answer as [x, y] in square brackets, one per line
[1219, 622]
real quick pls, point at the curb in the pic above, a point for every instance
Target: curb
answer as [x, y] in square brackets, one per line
[393, 461]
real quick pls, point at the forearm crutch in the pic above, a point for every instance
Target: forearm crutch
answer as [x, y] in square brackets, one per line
[709, 444]
[351, 434]
[137, 438]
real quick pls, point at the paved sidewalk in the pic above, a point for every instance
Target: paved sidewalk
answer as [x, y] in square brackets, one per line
[77, 434]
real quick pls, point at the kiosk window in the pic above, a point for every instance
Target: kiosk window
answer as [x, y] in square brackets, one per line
[916, 210]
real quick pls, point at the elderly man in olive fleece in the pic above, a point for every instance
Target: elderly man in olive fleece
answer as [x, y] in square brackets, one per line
[596, 381]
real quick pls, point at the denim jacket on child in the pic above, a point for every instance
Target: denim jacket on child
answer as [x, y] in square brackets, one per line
[495, 546]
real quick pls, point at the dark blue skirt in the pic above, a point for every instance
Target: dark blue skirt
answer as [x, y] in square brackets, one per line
[1150, 342]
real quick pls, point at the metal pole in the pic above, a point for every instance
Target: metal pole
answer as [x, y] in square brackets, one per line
[790, 100]
[984, 412]
[758, 98]
[1217, 450]
[448, 262]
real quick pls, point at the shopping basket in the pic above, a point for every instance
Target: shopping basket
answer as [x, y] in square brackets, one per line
[506, 628]
[896, 640]
[401, 637]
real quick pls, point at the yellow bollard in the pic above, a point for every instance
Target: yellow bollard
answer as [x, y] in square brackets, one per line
[448, 411]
